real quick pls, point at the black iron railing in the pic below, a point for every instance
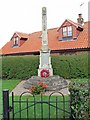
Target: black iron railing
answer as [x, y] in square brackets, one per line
[55, 108]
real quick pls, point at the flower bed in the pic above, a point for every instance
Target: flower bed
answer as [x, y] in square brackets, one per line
[39, 88]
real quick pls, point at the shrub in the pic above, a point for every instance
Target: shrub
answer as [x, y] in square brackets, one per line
[66, 66]
[79, 100]
[71, 66]
[19, 67]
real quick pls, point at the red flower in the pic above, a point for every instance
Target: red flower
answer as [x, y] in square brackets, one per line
[44, 86]
[32, 88]
[39, 88]
[40, 83]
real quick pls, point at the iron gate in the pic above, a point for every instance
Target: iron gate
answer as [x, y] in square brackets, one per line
[36, 107]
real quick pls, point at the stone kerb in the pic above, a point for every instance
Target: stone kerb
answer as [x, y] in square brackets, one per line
[54, 82]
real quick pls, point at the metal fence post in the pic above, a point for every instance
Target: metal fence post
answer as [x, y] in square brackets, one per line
[71, 117]
[6, 104]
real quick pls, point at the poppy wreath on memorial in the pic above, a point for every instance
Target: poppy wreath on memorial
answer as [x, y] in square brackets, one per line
[44, 73]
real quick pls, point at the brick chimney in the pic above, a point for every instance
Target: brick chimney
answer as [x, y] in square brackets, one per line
[80, 20]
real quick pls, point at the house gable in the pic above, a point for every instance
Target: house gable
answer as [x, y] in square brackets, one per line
[68, 31]
[18, 39]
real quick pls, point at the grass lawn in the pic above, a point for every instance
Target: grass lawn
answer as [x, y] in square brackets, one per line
[38, 107]
[6, 84]
[10, 84]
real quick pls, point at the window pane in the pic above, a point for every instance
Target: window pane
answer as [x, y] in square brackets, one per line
[64, 32]
[64, 29]
[16, 38]
[16, 41]
[70, 31]
[69, 28]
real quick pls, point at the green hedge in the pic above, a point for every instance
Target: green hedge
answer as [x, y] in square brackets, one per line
[71, 66]
[19, 67]
[80, 100]
[23, 67]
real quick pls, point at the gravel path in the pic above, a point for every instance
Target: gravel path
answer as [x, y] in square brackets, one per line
[19, 89]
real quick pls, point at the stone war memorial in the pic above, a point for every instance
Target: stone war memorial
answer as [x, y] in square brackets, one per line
[45, 70]
[44, 95]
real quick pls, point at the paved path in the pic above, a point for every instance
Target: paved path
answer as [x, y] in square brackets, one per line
[19, 89]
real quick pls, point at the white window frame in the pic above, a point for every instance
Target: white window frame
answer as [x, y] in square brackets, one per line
[69, 31]
[16, 41]
[65, 31]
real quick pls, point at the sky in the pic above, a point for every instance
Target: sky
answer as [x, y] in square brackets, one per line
[26, 15]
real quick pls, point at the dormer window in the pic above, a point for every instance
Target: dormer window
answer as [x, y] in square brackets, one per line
[15, 43]
[67, 31]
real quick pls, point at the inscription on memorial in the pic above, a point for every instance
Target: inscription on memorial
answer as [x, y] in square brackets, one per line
[44, 11]
[44, 18]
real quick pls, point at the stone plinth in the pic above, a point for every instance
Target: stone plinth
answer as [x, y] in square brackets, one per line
[54, 82]
[45, 62]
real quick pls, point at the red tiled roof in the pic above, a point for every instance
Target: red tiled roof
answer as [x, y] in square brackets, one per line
[80, 42]
[33, 44]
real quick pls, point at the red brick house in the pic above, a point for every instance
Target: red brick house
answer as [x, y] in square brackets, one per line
[70, 37]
